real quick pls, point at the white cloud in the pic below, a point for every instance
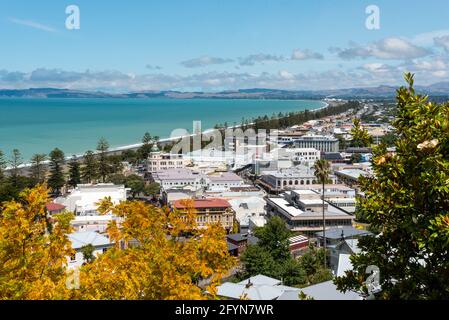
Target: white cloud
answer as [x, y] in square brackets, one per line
[388, 49]
[204, 61]
[32, 24]
[442, 42]
[306, 55]
[259, 58]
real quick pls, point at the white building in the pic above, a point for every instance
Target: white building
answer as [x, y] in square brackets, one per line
[247, 209]
[173, 178]
[83, 200]
[163, 161]
[322, 143]
[82, 239]
[289, 179]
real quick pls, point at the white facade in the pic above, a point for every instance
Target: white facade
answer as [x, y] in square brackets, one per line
[163, 161]
[81, 239]
[322, 143]
[82, 200]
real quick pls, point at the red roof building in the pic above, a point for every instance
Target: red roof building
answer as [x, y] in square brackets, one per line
[54, 208]
[210, 211]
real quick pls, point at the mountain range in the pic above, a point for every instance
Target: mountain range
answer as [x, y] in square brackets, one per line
[440, 89]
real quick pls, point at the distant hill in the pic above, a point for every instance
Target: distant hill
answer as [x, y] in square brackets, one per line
[440, 89]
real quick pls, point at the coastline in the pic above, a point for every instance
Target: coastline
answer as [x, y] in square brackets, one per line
[162, 141]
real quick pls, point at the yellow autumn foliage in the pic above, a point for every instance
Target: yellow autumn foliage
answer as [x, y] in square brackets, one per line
[158, 254]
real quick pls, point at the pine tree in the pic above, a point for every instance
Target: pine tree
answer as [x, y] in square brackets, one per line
[74, 173]
[103, 163]
[56, 180]
[89, 171]
[38, 168]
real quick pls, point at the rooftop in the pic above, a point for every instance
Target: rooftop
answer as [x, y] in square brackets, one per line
[347, 232]
[81, 239]
[203, 203]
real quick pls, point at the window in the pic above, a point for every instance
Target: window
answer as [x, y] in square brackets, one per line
[73, 257]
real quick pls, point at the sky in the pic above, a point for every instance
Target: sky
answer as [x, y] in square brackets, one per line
[214, 45]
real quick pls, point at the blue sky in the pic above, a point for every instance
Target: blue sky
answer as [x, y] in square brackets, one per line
[214, 45]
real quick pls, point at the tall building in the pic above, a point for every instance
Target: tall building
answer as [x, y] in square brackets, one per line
[322, 143]
[163, 161]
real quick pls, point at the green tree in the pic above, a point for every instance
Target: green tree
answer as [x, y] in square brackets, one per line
[89, 171]
[136, 184]
[15, 162]
[274, 237]
[57, 179]
[88, 253]
[322, 171]
[103, 163]
[3, 163]
[153, 189]
[257, 260]
[147, 144]
[407, 200]
[38, 170]
[360, 136]
[74, 172]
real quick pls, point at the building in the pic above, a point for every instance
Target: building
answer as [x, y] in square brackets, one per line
[79, 240]
[241, 241]
[285, 158]
[322, 291]
[351, 177]
[54, 208]
[83, 200]
[158, 161]
[289, 179]
[174, 178]
[341, 241]
[259, 287]
[247, 209]
[302, 212]
[210, 211]
[322, 143]
[298, 244]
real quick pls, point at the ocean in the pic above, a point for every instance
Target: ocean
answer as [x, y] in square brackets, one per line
[75, 125]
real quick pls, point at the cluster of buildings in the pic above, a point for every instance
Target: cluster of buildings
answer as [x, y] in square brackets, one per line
[242, 191]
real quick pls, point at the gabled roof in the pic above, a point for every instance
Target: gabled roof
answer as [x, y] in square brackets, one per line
[322, 291]
[261, 280]
[54, 207]
[81, 239]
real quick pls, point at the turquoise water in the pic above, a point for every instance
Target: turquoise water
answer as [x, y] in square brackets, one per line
[75, 125]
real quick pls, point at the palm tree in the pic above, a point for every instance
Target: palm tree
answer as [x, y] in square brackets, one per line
[322, 171]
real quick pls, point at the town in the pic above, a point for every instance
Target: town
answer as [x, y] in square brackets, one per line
[243, 186]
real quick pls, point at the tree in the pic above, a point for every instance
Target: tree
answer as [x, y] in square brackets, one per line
[312, 264]
[360, 136]
[33, 250]
[407, 200]
[136, 184]
[257, 260]
[56, 180]
[274, 237]
[88, 253]
[160, 267]
[89, 171]
[38, 170]
[322, 171]
[3, 163]
[16, 161]
[153, 189]
[74, 173]
[103, 164]
[147, 144]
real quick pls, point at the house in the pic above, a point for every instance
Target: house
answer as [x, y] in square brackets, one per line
[83, 200]
[210, 211]
[241, 241]
[341, 241]
[79, 240]
[322, 291]
[54, 208]
[259, 287]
